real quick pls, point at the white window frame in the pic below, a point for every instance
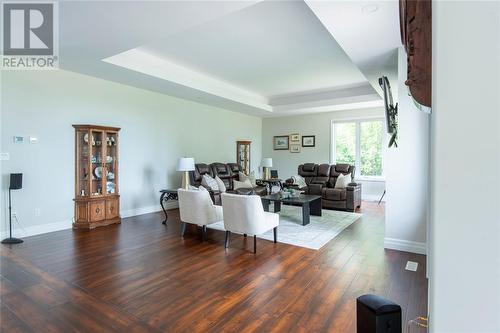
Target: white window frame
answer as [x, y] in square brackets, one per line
[357, 121]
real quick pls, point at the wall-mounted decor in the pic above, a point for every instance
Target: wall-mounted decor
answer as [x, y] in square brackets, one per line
[415, 18]
[281, 142]
[308, 140]
[294, 137]
[295, 148]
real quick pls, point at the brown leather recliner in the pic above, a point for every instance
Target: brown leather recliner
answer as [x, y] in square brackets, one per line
[321, 179]
[227, 172]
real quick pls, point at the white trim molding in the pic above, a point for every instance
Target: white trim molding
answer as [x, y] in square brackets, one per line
[67, 224]
[405, 245]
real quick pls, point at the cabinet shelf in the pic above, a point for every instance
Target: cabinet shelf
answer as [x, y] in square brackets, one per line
[96, 199]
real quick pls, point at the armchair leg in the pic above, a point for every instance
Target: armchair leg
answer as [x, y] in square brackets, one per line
[254, 244]
[226, 241]
[203, 233]
[275, 232]
[183, 228]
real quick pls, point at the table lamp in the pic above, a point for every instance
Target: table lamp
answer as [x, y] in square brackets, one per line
[267, 163]
[185, 164]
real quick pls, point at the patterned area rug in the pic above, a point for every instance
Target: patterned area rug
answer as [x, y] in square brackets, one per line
[320, 231]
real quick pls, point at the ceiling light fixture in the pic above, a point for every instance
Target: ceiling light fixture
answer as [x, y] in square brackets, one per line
[371, 8]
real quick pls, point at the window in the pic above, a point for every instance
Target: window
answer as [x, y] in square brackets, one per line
[359, 143]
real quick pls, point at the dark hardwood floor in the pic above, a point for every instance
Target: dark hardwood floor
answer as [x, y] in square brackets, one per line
[142, 277]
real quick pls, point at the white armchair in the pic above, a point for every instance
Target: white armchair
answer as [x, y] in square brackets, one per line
[196, 207]
[244, 214]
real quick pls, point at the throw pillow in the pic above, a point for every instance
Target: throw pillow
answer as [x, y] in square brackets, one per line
[209, 182]
[238, 184]
[220, 184]
[299, 181]
[251, 177]
[343, 181]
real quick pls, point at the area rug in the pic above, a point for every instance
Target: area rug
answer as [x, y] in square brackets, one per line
[315, 235]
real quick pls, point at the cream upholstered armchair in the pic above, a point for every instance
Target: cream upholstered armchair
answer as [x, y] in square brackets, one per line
[244, 214]
[196, 207]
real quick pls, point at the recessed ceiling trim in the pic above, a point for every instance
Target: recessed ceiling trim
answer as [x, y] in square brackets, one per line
[149, 64]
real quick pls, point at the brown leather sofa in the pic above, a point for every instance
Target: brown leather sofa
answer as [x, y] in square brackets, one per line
[227, 172]
[320, 180]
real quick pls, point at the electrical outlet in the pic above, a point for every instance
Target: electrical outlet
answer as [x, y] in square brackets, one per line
[37, 212]
[14, 214]
[411, 266]
[4, 156]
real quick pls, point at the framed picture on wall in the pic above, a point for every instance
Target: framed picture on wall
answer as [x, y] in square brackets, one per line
[281, 142]
[308, 140]
[295, 137]
[294, 148]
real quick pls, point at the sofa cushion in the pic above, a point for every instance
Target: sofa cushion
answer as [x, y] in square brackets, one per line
[343, 181]
[220, 184]
[209, 182]
[200, 169]
[333, 194]
[237, 184]
[308, 167]
[342, 168]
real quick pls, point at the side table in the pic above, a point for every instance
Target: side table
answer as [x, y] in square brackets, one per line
[167, 195]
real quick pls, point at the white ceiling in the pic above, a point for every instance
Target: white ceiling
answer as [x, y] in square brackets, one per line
[270, 48]
[268, 58]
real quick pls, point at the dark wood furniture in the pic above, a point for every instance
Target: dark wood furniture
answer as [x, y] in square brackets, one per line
[243, 155]
[415, 18]
[97, 198]
[167, 195]
[311, 204]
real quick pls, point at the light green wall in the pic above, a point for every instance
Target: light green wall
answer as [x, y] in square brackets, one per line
[156, 130]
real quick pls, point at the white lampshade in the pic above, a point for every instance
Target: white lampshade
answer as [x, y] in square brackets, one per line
[267, 162]
[185, 164]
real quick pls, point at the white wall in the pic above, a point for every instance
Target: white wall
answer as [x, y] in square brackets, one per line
[156, 131]
[464, 293]
[320, 125]
[407, 174]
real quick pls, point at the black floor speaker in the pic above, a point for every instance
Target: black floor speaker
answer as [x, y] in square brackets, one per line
[16, 181]
[377, 315]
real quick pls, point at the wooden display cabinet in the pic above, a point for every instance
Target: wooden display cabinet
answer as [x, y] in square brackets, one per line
[97, 198]
[243, 155]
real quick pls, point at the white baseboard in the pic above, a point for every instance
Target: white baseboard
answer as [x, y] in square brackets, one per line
[37, 229]
[404, 245]
[56, 226]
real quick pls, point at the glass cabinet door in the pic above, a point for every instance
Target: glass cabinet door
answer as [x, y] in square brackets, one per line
[96, 162]
[82, 163]
[111, 162]
[243, 155]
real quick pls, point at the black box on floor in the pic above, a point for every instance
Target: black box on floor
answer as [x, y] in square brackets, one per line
[377, 315]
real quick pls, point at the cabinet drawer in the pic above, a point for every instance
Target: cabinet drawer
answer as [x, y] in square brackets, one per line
[97, 211]
[112, 208]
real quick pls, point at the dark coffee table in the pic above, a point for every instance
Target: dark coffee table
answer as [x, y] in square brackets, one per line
[311, 204]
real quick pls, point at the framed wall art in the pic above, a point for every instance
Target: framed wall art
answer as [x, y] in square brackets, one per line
[294, 137]
[281, 142]
[294, 148]
[308, 140]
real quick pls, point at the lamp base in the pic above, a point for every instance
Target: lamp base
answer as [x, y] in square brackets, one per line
[266, 173]
[185, 180]
[12, 240]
